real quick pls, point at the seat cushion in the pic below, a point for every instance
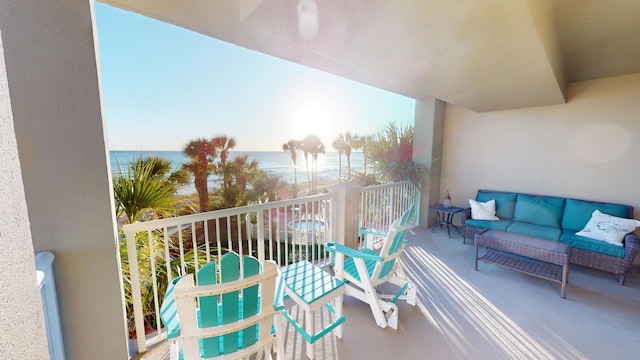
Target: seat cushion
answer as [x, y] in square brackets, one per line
[534, 230]
[489, 224]
[585, 243]
[505, 202]
[578, 212]
[539, 210]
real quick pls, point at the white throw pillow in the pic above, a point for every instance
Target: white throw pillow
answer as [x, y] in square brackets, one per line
[483, 210]
[608, 228]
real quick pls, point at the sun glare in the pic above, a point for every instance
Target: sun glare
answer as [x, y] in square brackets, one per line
[315, 120]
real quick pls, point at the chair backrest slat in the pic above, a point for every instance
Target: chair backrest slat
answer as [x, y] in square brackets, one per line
[228, 294]
[394, 243]
[208, 315]
[230, 271]
[250, 301]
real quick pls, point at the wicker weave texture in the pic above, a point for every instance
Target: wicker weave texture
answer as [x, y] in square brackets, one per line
[618, 266]
[541, 270]
[548, 251]
[507, 250]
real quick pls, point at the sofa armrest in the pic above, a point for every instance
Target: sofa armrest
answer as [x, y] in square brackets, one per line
[631, 244]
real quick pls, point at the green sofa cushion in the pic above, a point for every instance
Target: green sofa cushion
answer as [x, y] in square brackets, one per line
[539, 210]
[501, 225]
[534, 230]
[578, 212]
[505, 202]
[585, 243]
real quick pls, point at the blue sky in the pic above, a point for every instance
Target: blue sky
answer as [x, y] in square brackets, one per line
[163, 86]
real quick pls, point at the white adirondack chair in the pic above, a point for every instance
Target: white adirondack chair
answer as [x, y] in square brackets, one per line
[364, 270]
[226, 317]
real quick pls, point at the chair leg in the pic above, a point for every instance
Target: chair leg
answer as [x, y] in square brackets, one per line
[390, 314]
[267, 352]
[174, 350]
[411, 294]
[280, 355]
[338, 306]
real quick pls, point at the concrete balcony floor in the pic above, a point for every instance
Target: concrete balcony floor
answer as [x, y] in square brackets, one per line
[493, 313]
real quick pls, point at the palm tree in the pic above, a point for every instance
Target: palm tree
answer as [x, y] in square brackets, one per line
[162, 170]
[223, 144]
[243, 172]
[291, 146]
[318, 150]
[305, 151]
[202, 152]
[340, 145]
[360, 142]
[313, 145]
[264, 187]
[351, 143]
[390, 151]
[141, 193]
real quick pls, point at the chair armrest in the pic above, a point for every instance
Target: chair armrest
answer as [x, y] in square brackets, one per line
[371, 231]
[464, 215]
[333, 248]
[369, 234]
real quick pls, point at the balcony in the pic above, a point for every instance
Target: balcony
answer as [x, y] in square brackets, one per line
[282, 231]
[460, 313]
[490, 314]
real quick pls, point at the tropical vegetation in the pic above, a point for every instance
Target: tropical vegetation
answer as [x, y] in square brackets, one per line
[390, 152]
[146, 189]
[202, 152]
[292, 146]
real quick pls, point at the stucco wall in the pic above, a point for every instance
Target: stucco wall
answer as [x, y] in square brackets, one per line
[54, 88]
[588, 148]
[20, 305]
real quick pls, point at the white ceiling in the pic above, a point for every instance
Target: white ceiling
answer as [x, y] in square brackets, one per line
[483, 55]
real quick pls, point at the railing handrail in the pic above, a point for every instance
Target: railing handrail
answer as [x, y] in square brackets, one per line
[385, 186]
[209, 215]
[382, 204]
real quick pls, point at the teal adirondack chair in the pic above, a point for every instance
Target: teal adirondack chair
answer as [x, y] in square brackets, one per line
[226, 317]
[364, 270]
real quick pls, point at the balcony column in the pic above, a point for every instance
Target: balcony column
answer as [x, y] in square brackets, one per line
[346, 213]
[54, 89]
[21, 315]
[427, 150]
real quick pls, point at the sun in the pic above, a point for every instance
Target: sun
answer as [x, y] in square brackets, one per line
[314, 120]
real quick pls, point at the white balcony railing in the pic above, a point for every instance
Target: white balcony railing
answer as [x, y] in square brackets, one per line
[380, 205]
[282, 231]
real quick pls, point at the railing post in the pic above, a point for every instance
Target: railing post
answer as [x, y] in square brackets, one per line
[392, 206]
[46, 282]
[260, 234]
[345, 228]
[136, 296]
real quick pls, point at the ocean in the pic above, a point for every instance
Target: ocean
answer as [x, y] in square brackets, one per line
[274, 162]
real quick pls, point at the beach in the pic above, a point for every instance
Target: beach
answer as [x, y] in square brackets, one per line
[278, 163]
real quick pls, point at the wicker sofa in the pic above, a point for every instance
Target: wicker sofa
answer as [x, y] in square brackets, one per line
[557, 219]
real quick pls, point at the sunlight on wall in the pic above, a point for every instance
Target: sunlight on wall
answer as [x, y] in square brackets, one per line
[598, 143]
[457, 309]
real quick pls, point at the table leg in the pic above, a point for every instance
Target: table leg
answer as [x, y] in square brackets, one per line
[565, 275]
[308, 324]
[338, 315]
[476, 245]
[440, 221]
